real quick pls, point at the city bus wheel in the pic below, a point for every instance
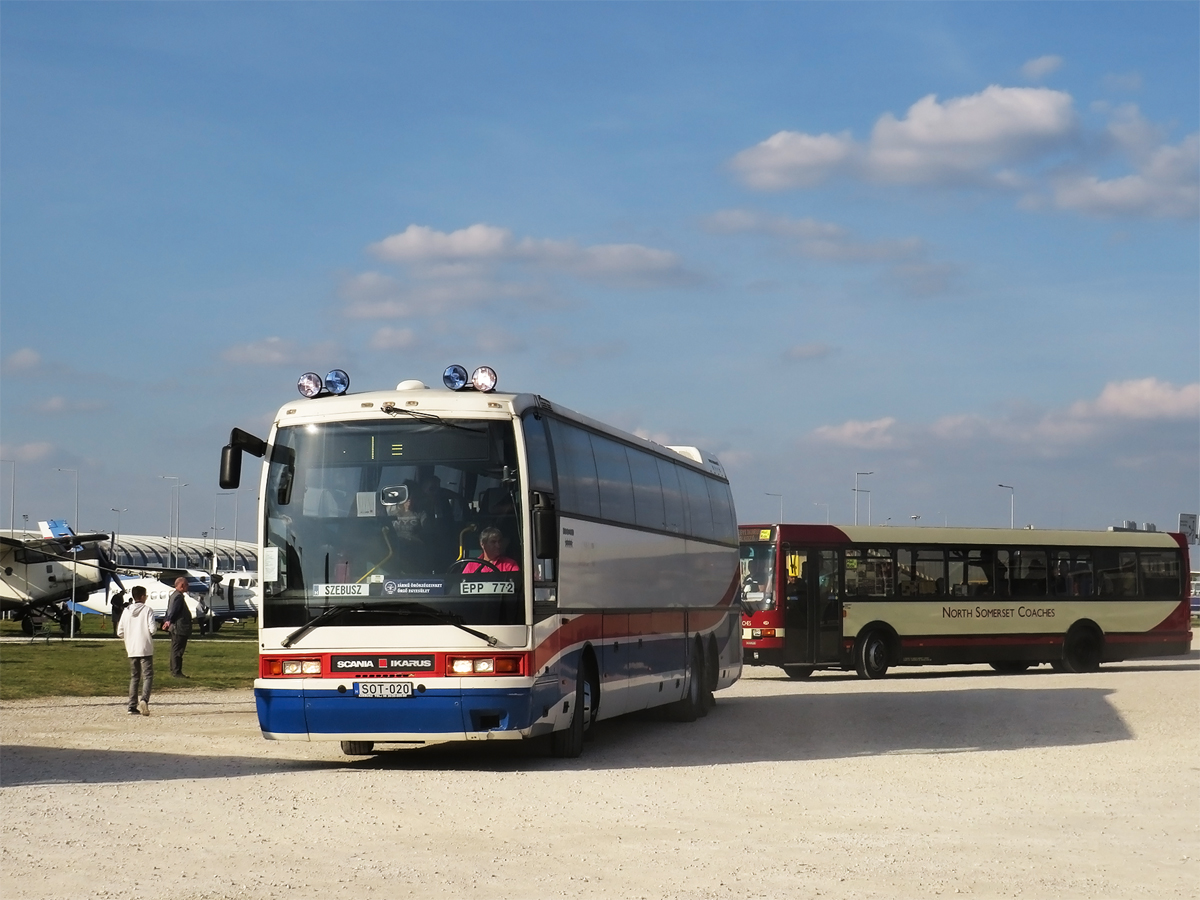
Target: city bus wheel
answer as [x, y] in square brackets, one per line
[568, 743]
[871, 655]
[1082, 648]
[1010, 667]
[358, 748]
[798, 673]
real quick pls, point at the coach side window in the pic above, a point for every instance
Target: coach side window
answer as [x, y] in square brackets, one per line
[724, 526]
[616, 489]
[578, 491]
[700, 521]
[537, 451]
[647, 489]
[668, 474]
[1071, 573]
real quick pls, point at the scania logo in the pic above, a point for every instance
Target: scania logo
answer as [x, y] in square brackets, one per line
[354, 664]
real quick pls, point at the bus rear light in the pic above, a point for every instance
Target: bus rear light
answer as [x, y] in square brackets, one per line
[483, 665]
[763, 632]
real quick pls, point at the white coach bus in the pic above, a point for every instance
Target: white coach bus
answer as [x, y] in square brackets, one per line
[461, 564]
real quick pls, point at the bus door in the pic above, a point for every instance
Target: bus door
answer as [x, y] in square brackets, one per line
[813, 610]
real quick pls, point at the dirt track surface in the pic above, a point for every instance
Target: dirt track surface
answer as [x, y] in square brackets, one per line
[954, 782]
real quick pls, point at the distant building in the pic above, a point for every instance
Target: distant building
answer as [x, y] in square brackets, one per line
[184, 553]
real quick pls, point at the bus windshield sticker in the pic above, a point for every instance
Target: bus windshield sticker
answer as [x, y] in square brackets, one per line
[423, 586]
[366, 503]
[341, 590]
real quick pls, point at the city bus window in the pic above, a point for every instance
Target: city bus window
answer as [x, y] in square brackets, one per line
[869, 573]
[1071, 573]
[1027, 573]
[1160, 575]
[921, 572]
[1115, 573]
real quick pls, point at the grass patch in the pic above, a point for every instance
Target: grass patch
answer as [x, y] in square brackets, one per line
[100, 668]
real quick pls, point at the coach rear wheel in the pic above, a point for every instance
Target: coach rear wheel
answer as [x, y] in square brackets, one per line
[1009, 667]
[871, 655]
[358, 748]
[691, 707]
[1082, 648]
[798, 673]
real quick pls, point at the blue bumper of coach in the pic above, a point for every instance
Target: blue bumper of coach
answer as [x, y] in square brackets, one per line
[441, 714]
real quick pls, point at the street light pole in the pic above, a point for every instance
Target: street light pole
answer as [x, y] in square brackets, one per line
[1012, 505]
[74, 556]
[117, 536]
[826, 505]
[170, 515]
[780, 496]
[856, 475]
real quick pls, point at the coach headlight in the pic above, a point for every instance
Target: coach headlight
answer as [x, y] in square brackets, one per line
[310, 384]
[337, 382]
[455, 378]
[484, 379]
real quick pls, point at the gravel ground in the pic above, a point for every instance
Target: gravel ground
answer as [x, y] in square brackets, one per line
[931, 782]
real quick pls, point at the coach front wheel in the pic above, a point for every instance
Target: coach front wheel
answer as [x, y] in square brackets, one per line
[798, 673]
[871, 655]
[568, 744]
[358, 748]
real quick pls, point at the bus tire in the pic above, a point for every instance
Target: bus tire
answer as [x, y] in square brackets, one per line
[688, 708]
[1010, 667]
[871, 655]
[358, 748]
[798, 673]
[1083, 648]
[711, 669]
[568, 743]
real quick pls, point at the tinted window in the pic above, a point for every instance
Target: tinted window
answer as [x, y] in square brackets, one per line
[668, 474]
[647, 489]
[1160, 575]
[724, 526]
[1116, 575]
[700, 520]
[577, 488]
[1071, 574]
[616, 489]
[538, 452]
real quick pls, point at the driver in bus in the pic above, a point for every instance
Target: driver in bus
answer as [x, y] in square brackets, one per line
[492, 543]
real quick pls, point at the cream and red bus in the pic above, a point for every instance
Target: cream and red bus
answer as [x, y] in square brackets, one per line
[871, 597]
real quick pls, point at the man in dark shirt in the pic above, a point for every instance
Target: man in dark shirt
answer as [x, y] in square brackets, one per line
[179, 621]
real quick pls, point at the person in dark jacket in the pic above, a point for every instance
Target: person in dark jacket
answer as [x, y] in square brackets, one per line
[118, 606]
[179, 623]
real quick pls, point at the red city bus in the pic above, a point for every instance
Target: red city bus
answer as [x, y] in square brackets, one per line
[871, 597]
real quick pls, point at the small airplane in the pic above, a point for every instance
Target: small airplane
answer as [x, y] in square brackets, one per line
[212, 598]
[38, 575]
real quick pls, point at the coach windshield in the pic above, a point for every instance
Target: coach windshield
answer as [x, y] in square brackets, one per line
[392, 514]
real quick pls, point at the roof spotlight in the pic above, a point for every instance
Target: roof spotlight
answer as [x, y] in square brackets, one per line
[310, 384]
[484, 379]
[337, 382]
[455, 378]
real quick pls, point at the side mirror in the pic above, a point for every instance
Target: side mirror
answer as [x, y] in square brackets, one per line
[231, 468]
[545, 527]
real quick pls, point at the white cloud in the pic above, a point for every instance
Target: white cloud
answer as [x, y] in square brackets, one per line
[24, 360]
[875, 435]
[1025, 140]
[32, 452]
[479, 247]
[276, 351]
[393, 339]
[1145, 398]
[805, 352]
[58, 404]
[1037, 69]
[789, 159]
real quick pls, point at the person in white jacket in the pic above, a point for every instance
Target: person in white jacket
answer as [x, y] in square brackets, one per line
[137, 628]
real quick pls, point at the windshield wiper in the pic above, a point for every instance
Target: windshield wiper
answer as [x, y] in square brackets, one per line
[397, 608]
[391, 409]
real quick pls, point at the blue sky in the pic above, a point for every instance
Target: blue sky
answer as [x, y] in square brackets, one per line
[954, 245]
